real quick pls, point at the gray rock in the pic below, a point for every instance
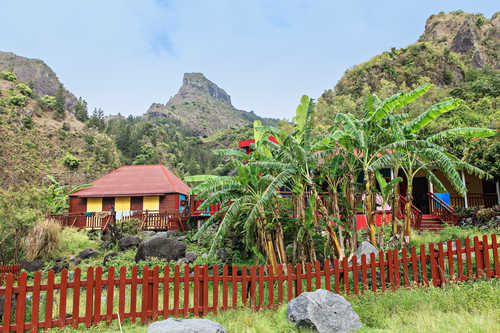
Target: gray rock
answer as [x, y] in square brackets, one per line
[324, 311]
[160, 246]
[224, 256]
[88, 253]
[191, 257]
[107, 257]
[128, 242]
[31, 266]
[181, 238]
[168, 233]
[59, 266]
[172, 325]
[365, 248]
[147, 233]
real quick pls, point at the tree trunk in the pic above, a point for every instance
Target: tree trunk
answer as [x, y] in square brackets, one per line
[352, 213]
[369, 208]
[395, 208]
[409, 199]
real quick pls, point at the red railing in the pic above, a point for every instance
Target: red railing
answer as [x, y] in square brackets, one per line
[416, 214]
[6, 269]
[441, 209]
[198, 290]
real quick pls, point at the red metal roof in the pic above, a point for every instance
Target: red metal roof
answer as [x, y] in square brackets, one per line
[135, 180]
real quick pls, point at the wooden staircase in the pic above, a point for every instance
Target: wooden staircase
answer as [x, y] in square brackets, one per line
[431, 223]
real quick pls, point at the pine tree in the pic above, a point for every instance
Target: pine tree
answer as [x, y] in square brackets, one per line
[81, 111]
[60, 101]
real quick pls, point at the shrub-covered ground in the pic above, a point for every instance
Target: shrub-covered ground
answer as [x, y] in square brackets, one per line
[464, 307]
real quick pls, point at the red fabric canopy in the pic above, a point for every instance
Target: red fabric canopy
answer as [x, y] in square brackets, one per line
[135, 180]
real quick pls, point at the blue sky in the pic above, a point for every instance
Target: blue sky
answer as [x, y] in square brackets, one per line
[124, 55]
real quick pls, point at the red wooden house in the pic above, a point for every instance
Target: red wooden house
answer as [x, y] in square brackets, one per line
[150, 193]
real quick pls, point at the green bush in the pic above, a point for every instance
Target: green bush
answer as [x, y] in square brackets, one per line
[24, 89]
[28, 122]
[75, 240]
[71, 162]
[9, 76]
[48, 102]
[17, 100]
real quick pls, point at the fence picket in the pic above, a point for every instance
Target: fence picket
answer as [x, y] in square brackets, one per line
[253, 282]
[49, 299]
[414, 266]
[390, 259]
[432, 259]
[196, 290]
[354, 263]
[451, 268]
[298, 280]
[317, 270]
[345, 271]
[224, 286]
[405, 260]
[460, 267]
[186, 289]
[337, 275]
[98, 295]
[308, 277]
[261, 287]
[8, 302]
[166, 291]
[468, 257]
[382, 270]
[21, 302]
[326, 268]
[176, 291]
[62, 298]
[89, 296]
[234, 285]
[280, 284]
[289, 273]
[110, 295]
[373, 271]
[441, 267]
[364, 275]
[205, 289]
[36, 300]
[145, 294]
[270, 286]
[133, 294]
[478, 257]
[496, 264]
[486, 257]
[423, 265]
[244, 285]
[121, 293]
[215, 300]
[156, 291]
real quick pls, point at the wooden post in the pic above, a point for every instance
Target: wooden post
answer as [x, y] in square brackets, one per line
[498, 191]
[465, 185]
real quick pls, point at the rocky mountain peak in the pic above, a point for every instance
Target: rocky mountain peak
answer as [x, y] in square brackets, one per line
[472, 35]
[196, 83]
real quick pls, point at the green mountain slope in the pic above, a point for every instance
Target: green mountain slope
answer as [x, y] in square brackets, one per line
[35, 141]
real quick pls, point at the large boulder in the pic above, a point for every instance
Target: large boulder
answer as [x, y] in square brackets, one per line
[224, 256]
[88, 253]
[324, 311]
[128, 242]
[160, 246]
[172, 325]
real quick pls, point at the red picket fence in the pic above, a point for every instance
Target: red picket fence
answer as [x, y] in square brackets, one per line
[6, 269]
[197, 291]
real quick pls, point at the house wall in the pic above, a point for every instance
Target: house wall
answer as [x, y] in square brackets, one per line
[169, 202]
[474, 184]
[77, 205]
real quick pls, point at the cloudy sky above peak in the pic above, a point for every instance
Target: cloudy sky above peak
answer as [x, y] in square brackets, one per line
[123, 55]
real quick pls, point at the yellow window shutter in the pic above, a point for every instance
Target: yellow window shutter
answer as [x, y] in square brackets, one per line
[94, 204]
[122, 204]
[151, 203]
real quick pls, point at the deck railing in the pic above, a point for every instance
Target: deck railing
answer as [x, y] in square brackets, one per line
[416, 214]
[86, 298]
[441, 209]
[475, 200]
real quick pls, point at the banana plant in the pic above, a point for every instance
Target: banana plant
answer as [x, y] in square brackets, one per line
[386, 190]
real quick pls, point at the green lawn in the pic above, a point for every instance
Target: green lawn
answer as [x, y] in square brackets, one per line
[465, 307]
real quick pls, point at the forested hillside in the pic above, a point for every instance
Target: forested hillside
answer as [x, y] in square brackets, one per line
[459, 54]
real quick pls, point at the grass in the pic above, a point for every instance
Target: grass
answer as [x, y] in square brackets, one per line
[464, 307]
